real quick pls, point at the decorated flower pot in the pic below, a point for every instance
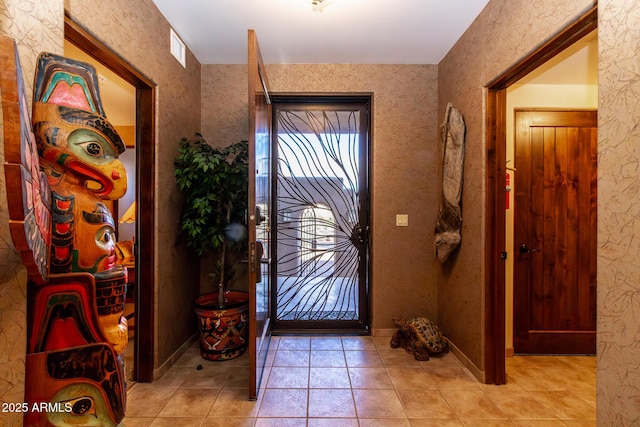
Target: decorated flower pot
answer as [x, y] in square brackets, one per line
[224, 332]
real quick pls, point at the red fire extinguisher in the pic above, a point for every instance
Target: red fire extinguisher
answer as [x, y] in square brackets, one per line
[507, 189]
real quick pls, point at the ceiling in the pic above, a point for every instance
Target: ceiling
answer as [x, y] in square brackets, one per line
[343, 31]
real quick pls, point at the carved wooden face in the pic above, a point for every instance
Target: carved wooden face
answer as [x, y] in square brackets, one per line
[77, 147]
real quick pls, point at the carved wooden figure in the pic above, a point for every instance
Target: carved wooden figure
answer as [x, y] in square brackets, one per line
[60, 170]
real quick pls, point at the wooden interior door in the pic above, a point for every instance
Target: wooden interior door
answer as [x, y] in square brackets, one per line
[259, 212]
[555, 232]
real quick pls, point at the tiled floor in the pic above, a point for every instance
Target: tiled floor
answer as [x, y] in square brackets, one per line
[361, 381]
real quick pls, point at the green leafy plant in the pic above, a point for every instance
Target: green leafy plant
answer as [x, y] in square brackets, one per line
[214, 184]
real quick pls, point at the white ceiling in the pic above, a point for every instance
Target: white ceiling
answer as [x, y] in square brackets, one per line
[345, 31]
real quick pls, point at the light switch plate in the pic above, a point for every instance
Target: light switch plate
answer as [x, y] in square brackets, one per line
[402, 220]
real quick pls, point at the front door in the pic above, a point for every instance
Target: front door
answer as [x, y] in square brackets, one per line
[320, 276]
[259, 211]
[555, 232]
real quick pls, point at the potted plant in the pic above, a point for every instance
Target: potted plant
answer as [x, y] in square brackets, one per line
[214, 184]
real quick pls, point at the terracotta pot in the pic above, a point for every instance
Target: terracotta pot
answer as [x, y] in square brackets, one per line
[224, 332]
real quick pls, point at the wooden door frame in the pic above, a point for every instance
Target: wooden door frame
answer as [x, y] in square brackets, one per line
[145, 193]
[496, 119]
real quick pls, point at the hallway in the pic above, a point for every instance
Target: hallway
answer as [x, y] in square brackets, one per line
[360, 381]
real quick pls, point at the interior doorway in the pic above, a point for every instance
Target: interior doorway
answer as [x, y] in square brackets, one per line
[141, 275]
[497, 251]
[321, 162]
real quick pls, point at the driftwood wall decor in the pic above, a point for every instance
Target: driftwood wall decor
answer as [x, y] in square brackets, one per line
[449, 220]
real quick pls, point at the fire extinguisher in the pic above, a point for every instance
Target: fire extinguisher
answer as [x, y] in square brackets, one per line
[507, 189]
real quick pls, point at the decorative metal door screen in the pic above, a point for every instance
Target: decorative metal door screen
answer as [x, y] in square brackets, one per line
[322, 216]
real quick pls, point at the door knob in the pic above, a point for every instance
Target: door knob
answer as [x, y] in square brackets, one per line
[524, 249]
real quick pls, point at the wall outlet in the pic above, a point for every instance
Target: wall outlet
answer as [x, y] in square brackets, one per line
[402, 220]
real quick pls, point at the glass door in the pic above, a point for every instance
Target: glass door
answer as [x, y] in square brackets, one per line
[320, 277]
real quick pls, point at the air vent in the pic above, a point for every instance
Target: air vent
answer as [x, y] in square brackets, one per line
[178, 50]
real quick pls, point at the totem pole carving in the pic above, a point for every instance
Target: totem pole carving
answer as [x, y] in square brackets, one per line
[61, 170]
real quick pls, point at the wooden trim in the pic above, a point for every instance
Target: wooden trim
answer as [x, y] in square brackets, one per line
[495, 322]
[145, 191]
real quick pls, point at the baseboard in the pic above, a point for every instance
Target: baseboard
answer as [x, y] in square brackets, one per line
[509, 352]
[162, 369]
[475, 371]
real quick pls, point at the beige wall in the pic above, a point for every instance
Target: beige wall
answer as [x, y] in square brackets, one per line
[618, 213]
[137, 32]
[404, 152]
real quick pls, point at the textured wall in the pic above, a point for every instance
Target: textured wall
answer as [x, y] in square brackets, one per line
[21, 20]
[140, 34]
[137, 32]
[619, 213]
[502, 34]
[404, 149]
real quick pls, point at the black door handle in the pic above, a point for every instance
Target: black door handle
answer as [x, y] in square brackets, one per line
[524, 249]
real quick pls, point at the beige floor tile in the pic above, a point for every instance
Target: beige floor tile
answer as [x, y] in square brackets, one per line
[174, 377]
[136, 422]
[565, 405]
[190, 402]
[425, 422]
[228, 422]
[538, 423]
[293, 358]
[332, 422]
[580, 423]
[328, 359]
[182, 422]
[287, 377]
[281, 422]
[452, 377]
[329, 378]
[384, 422]
[411, 378]
[358, 343]
[238, 377]
[518, 404]
[209, 376]
[234, 403]
[146, 400]
[486, 423]
[350, 381]
[371, 378]
[382, 343]
[362, 359]
[378, 404]
[420, 403]
[295, 343]
[398, 358]
[283, 403]
[327, 403]
[326, 343]
[473, 405]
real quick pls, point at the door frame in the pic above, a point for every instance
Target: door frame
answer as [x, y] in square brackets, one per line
[366, 159]
[495, 124]
[145, 190]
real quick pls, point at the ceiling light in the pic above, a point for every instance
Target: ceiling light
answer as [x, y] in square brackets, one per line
[318, 6]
